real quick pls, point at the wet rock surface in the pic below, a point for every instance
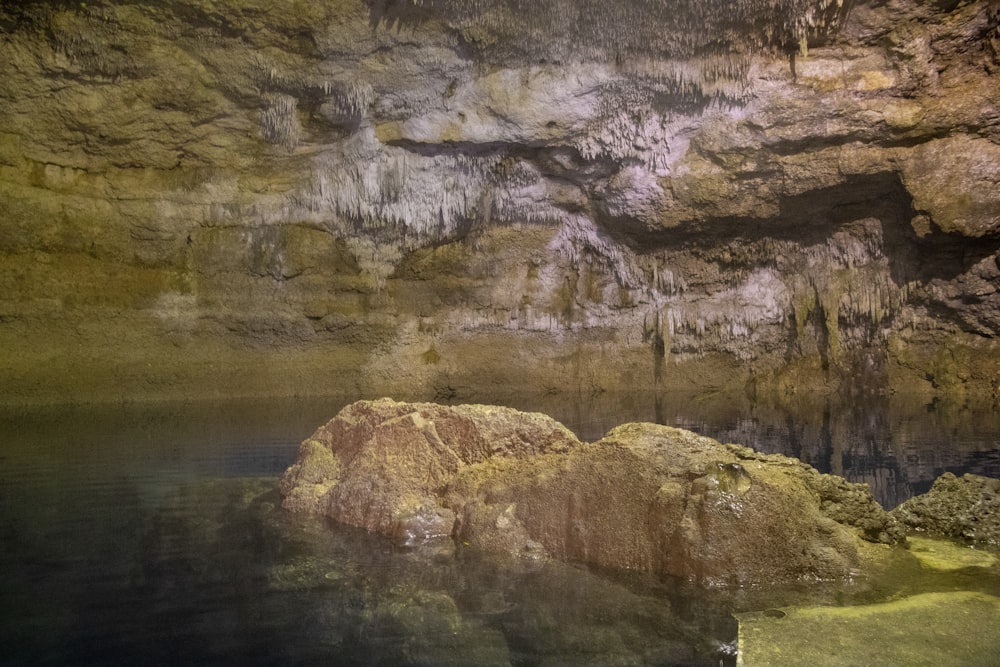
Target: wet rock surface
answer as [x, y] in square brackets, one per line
[965, 508]
[210, 196]
[892, 633]
[645, 497]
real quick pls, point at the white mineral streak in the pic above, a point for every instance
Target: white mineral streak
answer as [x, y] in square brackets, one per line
[439, 164]
[513, 106]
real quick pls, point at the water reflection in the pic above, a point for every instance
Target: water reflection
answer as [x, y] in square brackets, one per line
[155, 534]
[898, 445]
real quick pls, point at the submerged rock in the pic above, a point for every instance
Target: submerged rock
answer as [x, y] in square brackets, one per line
[952, 628]
[427, 628]
[965, 508]
[945, 555]
[645, 497]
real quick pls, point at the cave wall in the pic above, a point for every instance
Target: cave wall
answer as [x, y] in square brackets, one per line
[452, 198]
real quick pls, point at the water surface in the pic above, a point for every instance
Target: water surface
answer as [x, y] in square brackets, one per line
[154, 534]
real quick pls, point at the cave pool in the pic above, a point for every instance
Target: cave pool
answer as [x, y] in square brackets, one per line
[153, 534]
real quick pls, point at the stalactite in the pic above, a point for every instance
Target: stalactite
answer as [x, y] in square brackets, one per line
[580, 237]
[345, 101]
[279, 122]
[560, 30]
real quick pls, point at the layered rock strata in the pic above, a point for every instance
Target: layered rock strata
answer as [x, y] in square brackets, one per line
[645, 497]
[210, 196]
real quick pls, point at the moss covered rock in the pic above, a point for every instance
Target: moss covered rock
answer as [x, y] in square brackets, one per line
[966, 508]
[953, 628]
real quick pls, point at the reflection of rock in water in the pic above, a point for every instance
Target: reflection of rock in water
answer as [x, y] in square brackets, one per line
[237, 579]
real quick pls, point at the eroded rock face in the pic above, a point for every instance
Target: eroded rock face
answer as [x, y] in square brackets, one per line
[645, 497]
[446, 196]
[965, 508]
[383, 465]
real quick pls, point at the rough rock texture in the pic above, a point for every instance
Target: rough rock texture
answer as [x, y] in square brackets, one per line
[448, 196]
[908, 630]
[645, 497]
[965, 508]
[382, 465]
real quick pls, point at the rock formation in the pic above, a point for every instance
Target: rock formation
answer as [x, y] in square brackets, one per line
[381, 465]
[965, 508]
[645, 497]
[449, 196]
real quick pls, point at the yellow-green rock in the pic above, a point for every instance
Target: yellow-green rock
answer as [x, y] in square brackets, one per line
[946, 555]
[940, 629]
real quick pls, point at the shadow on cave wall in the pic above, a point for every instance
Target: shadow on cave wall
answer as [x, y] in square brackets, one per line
[811, 218]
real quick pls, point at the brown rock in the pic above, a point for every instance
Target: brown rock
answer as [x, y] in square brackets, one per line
[383, 465]
[645, 497]
[965, 508]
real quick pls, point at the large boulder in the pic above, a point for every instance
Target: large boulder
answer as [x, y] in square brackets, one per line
[965, 508]
[384, 465]
[645, 497]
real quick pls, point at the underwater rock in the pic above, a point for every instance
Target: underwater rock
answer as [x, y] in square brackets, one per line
[427, 628]
[965, 508]
[947, 555]
[645, 497]
[952, 628]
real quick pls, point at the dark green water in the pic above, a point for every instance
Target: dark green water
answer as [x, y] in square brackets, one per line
[154, 535]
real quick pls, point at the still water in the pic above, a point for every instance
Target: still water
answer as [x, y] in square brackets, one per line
[154, 535]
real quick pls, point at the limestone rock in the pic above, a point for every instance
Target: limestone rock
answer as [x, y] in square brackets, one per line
[966, 508]
[645, 497]
[914, 630]
[383, 465]
[789, 195]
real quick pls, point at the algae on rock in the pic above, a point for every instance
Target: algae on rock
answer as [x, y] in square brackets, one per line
[966, 508]
[917, 630]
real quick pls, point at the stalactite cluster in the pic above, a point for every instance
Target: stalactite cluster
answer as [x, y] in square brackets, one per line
[584, 29]
[279, 122]
[839, 294]
[693, 52]
[408, 176]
